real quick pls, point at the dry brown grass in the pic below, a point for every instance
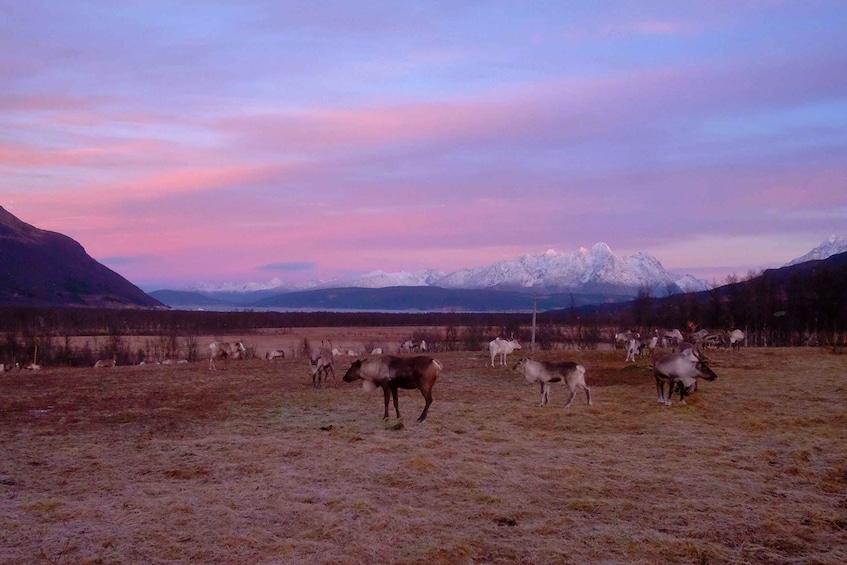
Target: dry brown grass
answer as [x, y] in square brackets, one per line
[159, 464]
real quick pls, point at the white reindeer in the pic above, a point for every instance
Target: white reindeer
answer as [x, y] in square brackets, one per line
[736, 338]
[502, 347]
[270, 355]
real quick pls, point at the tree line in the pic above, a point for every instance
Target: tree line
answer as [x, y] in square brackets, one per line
[774, 308]
[782, 307]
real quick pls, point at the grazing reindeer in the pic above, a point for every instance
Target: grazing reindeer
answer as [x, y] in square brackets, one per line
[270, 355]
[736, 338]
[623, 338]
[391, 373]
[413, 345]
[669, 337]
[225, 351]
[680, 370]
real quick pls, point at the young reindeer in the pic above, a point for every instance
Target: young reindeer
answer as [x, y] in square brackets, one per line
[320, 364]
[546, 372]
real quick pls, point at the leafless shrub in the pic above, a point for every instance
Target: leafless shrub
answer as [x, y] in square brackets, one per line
[474, 338]
[191, 345]
[250, 352]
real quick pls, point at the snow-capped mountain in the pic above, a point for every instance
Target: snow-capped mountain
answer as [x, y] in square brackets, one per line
[273, 284]
[381, 279]
[688, 283]
[594, 270]
[374, 279]
[833, 246]
[597, 268]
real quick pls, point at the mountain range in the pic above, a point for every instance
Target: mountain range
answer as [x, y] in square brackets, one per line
[590, 274]
[833, 246]
[557, 280]
[43, 268]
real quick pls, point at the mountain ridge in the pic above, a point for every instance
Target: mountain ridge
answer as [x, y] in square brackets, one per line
[598, 277]
[551, 271]
[832, 246]
[44, 268]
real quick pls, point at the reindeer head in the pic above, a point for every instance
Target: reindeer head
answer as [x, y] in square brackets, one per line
[354, 372]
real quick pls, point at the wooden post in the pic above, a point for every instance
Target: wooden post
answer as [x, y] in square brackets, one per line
[534, 310]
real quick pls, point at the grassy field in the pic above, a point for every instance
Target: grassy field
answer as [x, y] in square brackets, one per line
[169, 464]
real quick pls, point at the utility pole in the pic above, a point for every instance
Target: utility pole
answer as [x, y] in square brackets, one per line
[534, 310]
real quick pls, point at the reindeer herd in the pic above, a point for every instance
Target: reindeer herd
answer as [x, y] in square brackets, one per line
[679, 370]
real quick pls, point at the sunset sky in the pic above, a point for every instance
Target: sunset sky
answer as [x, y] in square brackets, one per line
[210, 142]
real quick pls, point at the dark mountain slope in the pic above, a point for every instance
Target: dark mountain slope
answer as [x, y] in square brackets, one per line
[44, 268]
[424, 298]
[181, 298]
[811, 294]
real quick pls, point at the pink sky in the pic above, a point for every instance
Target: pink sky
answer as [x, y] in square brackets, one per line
[234, 142]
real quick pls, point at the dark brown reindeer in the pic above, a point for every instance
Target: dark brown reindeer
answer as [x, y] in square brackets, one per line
[391, 373]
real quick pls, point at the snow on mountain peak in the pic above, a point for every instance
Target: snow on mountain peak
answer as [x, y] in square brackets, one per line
[584, 269]
[832, 246]
[599, 266]
[601, 248]
[381, 279]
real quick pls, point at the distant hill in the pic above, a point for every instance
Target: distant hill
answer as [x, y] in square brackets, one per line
[394, 299]
[179, 298]
[44, 268]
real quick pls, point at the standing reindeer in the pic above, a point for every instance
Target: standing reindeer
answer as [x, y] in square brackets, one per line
[320, 364]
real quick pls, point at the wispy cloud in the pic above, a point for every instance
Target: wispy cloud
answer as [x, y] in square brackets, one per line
[289, 266]
[361, 137]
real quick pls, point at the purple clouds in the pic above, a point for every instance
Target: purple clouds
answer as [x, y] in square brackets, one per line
[363, 137]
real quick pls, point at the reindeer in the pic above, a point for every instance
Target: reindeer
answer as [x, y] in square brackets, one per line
[502, 347]
[681, 369]
[222, 350]
[546, 372]
[391, 373]
[320, 364]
